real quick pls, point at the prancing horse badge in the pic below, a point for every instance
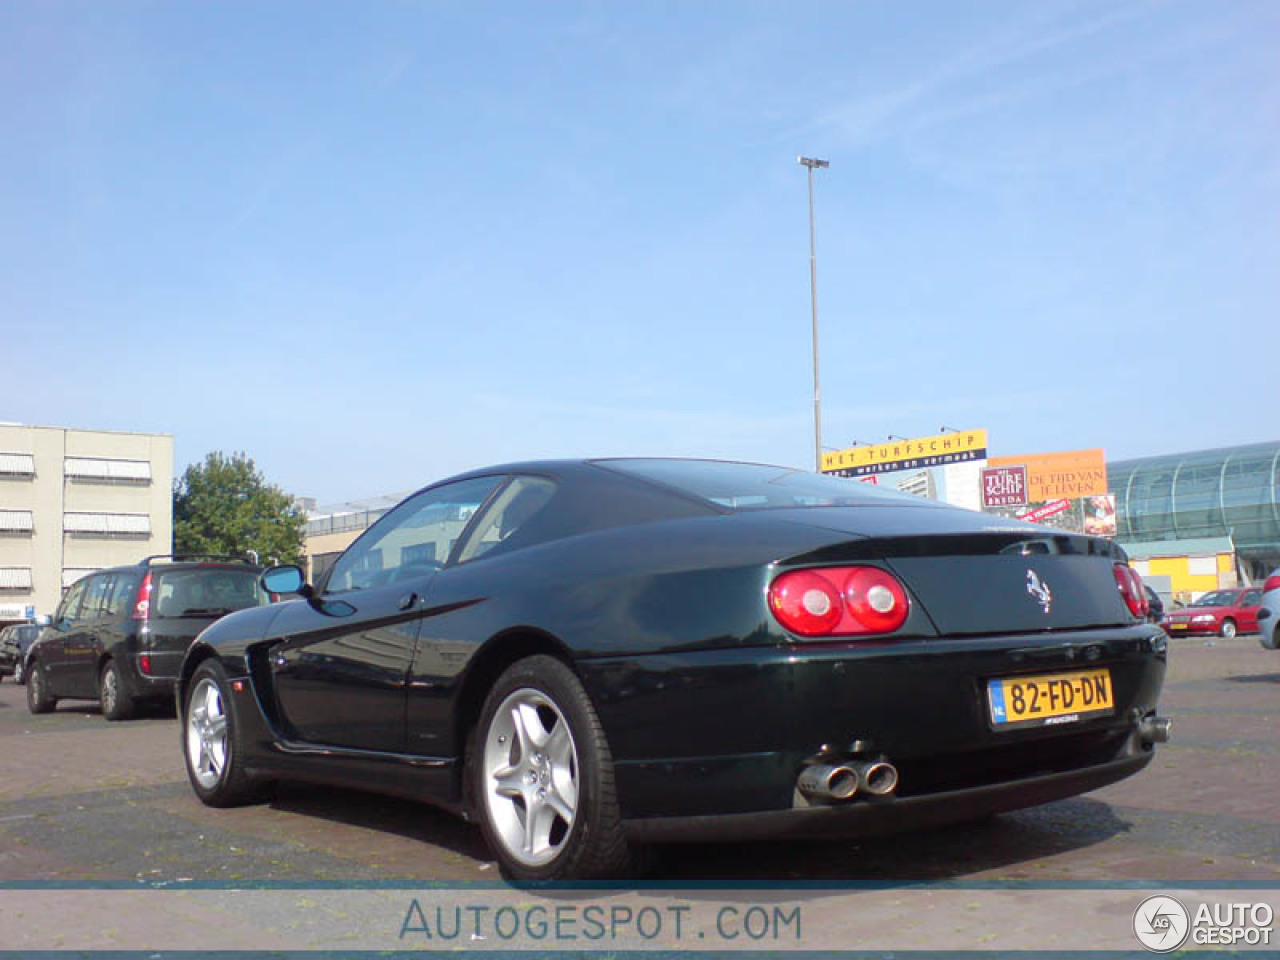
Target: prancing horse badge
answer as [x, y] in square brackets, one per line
[1039, 590]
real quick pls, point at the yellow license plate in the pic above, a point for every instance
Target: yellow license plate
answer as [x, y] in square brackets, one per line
[1177, 626]
[1049, 699]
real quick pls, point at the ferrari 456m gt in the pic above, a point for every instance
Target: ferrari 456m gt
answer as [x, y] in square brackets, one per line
[589, 656]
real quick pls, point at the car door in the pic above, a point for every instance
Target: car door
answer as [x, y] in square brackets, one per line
[340, 661]
[1249, 604]
[450, 633]
[53, 655]
[82, 643]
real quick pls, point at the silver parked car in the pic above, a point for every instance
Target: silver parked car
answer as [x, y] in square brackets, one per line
[1269, 612]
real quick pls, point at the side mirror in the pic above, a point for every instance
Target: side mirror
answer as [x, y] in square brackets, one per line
[43, 620]
[285, 579]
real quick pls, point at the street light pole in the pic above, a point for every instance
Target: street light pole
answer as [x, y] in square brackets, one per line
[813, 163]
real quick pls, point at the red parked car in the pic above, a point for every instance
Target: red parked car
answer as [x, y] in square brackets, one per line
[1221, 612]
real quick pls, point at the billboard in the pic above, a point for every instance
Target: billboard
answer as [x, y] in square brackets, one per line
[1066, 490]
[1060, 476]
[1004, 486]
[1100, 516]
[920, 453]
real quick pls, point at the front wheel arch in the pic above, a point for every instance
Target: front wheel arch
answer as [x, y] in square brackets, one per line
[197, 655]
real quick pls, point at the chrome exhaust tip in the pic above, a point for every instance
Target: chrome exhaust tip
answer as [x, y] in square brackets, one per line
[879, 778]
[1154, 729]
[828, 784]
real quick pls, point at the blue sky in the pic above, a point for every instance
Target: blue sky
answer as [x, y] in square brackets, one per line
[375, 244]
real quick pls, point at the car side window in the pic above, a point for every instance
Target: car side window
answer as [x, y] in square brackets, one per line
[70, 606]
[413, 539]
[1252, 598]
[510, 510]
[122, 593]
[95, 596]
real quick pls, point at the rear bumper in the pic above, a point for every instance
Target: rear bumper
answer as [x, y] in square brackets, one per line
[889, 814]
[145, 686]
[726, 733]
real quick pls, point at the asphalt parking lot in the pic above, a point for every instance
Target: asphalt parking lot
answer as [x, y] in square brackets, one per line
[84, 803]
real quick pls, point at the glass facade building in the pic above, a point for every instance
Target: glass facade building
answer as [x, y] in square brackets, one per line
[1229, 492]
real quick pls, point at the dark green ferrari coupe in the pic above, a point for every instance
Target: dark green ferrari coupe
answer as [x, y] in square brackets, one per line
[589, 656]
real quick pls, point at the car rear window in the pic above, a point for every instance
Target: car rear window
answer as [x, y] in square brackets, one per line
[754, 486]
[205, 591]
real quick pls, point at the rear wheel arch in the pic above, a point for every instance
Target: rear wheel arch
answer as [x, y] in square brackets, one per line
[486, 666]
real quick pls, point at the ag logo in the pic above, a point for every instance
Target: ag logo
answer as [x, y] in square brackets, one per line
[1161, 924]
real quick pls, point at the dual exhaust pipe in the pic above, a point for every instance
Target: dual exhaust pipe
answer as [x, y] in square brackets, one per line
[837, 783]
[1154, 729]
[825, 783]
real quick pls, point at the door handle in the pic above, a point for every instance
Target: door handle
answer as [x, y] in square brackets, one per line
[408, 600]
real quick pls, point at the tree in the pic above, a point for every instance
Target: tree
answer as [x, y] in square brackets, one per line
[225, 506]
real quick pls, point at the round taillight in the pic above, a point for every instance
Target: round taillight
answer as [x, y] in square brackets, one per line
[839, 601]
[806, 603]
[876, 599]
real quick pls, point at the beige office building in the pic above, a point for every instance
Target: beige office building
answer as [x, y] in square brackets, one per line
[74, 501]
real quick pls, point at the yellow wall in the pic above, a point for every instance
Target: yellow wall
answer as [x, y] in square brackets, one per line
[1185, 585]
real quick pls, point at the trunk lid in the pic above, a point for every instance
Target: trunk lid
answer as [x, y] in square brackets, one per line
[975, 574]
[185, 600]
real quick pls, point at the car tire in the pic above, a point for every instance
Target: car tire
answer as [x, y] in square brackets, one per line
[38, 698]
[20, 673]
[213, 741]
[1228, 630]
[1270, 641]
[539, 747]
[116, 703]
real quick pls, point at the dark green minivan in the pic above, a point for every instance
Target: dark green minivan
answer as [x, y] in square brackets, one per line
[119, 635]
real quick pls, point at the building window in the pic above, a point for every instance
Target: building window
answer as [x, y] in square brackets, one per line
[15, 578]
[1202, 566]
[102, 470]
[16, 522]
[107, 524]
[17, 465]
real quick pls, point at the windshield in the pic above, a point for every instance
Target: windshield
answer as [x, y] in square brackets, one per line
[1219, 598]
[754, 486]
[207, 592]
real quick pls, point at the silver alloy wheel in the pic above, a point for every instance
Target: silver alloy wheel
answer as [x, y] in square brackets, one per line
[34, 686]
[206, 733]
[1228, 629]
[19, 671]
[530, 777]
[110, 689]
